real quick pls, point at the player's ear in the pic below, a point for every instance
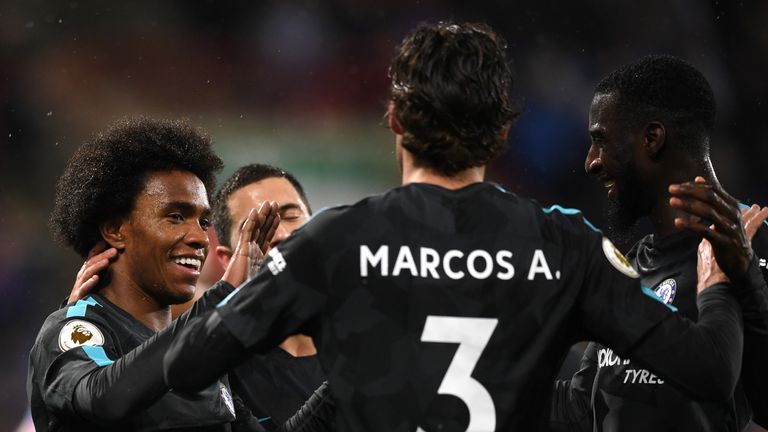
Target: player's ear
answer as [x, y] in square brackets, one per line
[394, 125]
[112, 231]
[654, 139]
[223, 255]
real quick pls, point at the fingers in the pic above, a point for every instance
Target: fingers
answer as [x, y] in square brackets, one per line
[753, 219]
[88, 276]
[707, 269]
[704, 200]
[248, 230]
[271, 217]
[701, 200]
[270, 233]
[709, 232]
[98, 248]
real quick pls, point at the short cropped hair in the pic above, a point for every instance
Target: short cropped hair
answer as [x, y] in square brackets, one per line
[451, 88]
[106, 174]
[222, 221]
[665, 88]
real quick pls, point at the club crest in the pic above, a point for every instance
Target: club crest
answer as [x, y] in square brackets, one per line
[666, 290]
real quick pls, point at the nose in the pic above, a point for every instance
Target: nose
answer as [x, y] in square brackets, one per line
[197, 237]
[280, 234]
[593, 164]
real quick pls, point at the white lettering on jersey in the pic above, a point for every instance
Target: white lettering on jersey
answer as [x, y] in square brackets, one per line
[278, 261]
[451, 254]
[510, 269]
[430, 260]
[454, 264]
[607, 358]
[404, 261]
[367, 258]
[472, 264]
[539, 266]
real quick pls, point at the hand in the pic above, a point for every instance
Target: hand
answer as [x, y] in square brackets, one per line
[753, 218]
[709, 273]
[714, 215]
[256, 234]
[87, 278]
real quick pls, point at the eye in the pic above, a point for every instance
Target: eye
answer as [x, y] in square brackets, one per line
[205, 223]
[291, 214]
[176, 217]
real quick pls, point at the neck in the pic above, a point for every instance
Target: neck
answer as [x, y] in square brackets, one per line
[662, 216]
[128, 296]
[299, 346]
[413, 173]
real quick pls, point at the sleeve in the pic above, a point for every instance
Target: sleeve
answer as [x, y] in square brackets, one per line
[86, 381]
[316, 415]
[245, 421]
[618, 312]
[753, 294]
[572, 399]
[285, 298]
[68, 350]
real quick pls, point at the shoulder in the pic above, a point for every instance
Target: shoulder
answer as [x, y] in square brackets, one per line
[78, 324]
[569, 219]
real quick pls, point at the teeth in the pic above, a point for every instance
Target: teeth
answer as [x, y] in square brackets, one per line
[609, 184]
[190, 261]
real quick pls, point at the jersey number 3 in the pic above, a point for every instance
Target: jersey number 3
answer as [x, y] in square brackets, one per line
[472, 335]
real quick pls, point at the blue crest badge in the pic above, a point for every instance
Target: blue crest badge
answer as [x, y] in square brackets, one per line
[666, 290]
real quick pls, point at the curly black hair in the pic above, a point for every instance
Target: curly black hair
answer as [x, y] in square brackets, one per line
[668, 89]
[222, 222]
[451, 87]
[105, 175]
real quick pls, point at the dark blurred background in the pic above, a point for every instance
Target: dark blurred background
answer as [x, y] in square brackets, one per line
[302, 84]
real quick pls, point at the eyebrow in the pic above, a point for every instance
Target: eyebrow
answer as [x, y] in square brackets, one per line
[186, 206]
[288, 206]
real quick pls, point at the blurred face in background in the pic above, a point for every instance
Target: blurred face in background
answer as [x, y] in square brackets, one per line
[292, 209]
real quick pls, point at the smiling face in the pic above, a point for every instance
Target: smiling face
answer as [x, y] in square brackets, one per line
[612, 158]
[165, 236]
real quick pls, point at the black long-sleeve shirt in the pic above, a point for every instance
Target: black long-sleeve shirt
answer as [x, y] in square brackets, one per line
[452, 309]
[611, 393]
[94, 366]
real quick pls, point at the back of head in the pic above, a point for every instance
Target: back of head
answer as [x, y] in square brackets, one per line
[667, 89]
[451, 86]
[105, 175]
[248, 174]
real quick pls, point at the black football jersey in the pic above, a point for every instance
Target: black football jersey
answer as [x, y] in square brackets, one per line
[275, 385]
[444, 310]
[623, 396]
[93, 333]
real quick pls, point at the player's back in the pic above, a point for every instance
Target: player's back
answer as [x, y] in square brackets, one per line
[449, 308]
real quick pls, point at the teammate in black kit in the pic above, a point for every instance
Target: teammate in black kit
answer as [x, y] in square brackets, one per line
[448, 303]
[650, 124]
[97, 363]
[273, 386]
